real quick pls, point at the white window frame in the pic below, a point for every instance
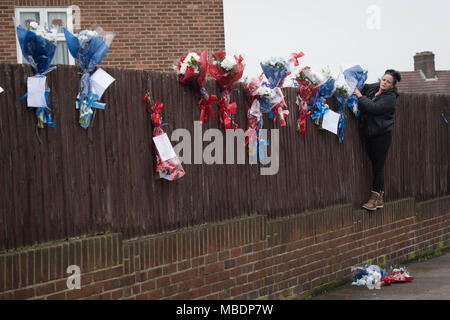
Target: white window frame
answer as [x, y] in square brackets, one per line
[43, 14]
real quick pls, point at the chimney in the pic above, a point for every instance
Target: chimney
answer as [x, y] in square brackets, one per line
[425, 61]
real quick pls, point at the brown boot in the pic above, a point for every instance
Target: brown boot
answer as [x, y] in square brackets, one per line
[371, 205]
[380, 203]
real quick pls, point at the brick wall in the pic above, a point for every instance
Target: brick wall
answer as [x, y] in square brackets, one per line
[246, 258]
[150, 34]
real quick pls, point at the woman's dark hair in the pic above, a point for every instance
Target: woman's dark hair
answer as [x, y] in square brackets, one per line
[395, 74]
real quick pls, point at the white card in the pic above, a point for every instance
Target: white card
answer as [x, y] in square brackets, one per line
[331, 121]
[36, 91]
[164, 147]
[1, 90]
[100, 81]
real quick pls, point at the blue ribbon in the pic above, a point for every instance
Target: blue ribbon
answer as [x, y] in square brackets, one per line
[259, 150]
[86, 107]
[445, 117]
[341, 127]
[353, 105]
[317, 115]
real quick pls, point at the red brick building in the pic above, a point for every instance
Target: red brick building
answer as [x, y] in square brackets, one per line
[149, 34]
[425, 78]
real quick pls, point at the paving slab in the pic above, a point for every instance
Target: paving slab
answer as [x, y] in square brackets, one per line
[431, 282]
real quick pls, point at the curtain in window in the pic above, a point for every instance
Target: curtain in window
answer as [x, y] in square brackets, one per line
[61, 54]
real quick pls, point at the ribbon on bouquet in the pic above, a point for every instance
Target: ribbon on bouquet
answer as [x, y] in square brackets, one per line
[43, 113]
[353, 105]
[317, 115]
[86, 105]
[303, 113]
[257, 152]
[227, 114]
[205, 105]
[341, 127]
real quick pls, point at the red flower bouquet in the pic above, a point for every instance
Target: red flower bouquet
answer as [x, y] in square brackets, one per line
[226, 70]
[308, 86]
[192, 71]
[167, 163]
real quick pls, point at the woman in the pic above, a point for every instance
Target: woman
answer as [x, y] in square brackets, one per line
[377, 105]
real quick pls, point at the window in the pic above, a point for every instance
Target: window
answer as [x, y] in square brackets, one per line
[56, 17]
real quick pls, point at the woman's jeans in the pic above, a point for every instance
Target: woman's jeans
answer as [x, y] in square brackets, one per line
[377, 148]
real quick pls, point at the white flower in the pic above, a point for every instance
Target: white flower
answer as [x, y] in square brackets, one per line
[324, 74]
[228, 63]
[34, 24]
[342, 86]
[264, 91]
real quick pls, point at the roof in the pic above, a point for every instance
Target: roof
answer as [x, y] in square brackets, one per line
[414, 81]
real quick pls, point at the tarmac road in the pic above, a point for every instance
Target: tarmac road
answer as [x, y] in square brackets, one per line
[431, 282]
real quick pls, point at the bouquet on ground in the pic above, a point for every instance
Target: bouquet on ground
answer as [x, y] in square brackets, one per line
[326, 89]
[88, 48]
[38, 48]
[191, 70]
[341, 95]
[397, 275]
[226, 70]
[369, 276]
[308, 86]
[356, 77]
[276, 70]
[167, 163]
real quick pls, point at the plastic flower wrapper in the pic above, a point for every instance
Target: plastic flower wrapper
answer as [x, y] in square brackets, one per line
[191, 70]
[369, 276]
[226, 70]
[341, 95]
[356, 77]
[259, 99]
[308, 86]
[167, 163]
[276, 69]
[38, 48]
[326, 90]
[400, 274]
[88, 48]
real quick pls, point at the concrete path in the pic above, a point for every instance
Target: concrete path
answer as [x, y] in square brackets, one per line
[431, 282]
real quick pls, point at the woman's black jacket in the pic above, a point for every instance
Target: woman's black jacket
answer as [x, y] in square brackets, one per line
[377, 113]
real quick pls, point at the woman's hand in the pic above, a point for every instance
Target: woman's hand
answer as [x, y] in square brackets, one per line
[357, 93]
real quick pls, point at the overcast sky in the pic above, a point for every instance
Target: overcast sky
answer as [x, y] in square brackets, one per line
[378, 34]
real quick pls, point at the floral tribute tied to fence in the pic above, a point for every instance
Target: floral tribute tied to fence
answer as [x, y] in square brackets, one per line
[226, 70]
[38, 48]
[88, 48]
[191, 70]
[167, 163]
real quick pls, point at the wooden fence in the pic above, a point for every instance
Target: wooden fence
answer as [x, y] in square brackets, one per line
[68, 181]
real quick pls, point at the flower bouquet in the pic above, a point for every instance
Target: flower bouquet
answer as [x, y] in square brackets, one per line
[341, 95]
[167, 163]
[368, 275]
[276, 70]
[355, 77]
[38, 48]
[397, 275]
[191, 70]
[226, 70]
[326, 90]
[88, 48]
[308, 86]
[261, 98]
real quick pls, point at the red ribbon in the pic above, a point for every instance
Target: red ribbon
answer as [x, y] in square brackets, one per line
[158, 106]
[294, 58]
[302, 115]
[205, 105]
[225, 114]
